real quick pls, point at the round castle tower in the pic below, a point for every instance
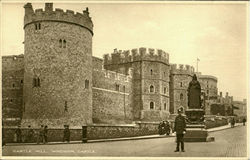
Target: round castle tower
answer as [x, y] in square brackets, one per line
[58, 67]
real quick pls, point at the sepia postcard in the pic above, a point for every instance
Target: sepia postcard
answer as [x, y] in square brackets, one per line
[124, 79]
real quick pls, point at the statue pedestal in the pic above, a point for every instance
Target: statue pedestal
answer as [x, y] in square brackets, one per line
[196, 131]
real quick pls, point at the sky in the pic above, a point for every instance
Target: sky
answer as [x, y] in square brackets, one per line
[216, 33]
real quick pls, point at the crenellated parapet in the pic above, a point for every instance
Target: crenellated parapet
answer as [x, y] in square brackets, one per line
[115, 75]
[181, 69]
[58, 15]
[126, 56]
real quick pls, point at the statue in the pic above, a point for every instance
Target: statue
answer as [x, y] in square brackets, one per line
[194, 94]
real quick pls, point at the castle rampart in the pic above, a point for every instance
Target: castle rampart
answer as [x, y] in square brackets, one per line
[181, 69]
[208, 77]
[126, 56]
[81, 19]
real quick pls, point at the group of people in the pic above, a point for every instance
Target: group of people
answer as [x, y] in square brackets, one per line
[39, 135]
[30, 135]
[164, 128]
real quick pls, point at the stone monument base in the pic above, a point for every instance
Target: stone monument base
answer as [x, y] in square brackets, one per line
[197, 134]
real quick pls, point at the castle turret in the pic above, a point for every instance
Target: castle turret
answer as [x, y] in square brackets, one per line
[180, 76]
[58, 67]
[150, 99]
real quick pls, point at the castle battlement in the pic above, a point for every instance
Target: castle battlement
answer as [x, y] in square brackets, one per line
[181, 69]
[137, 54]
[58, 15]
[117, 76]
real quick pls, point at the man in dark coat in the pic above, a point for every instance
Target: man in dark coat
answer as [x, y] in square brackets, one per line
[41, 135]
[180, 129]
[66, 132]
[45, 134]
[30, 134]
[19, 134]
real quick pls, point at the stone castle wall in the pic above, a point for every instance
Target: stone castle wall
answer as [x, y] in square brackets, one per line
[150, 68]
[112, 94]
[180, 77]
[12, 89]
[59, 54]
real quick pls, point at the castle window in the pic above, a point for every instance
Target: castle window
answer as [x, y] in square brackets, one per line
[36, 82]
[64, 43]
[207, 92]
[151, 105]
[87, 84]
[11, 100]
[151, 88]
[165, 90]
[207, 86]
[117, 87]
[65, 106]
[165, 106]
[180, 84]
[181, 96]
[60, 43]
[13, 85]
[151, 72]
[21, 81]
[124, 89]
[37, 26]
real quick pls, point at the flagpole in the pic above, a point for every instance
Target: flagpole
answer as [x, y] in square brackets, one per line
[197, 65]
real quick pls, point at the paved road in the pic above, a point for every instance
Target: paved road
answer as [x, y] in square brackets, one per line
[228, 143]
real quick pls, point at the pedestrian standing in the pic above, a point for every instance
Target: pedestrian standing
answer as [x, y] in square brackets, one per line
[41, 135]
[18, 134]
[244, 121]
[166, 127]
[232, 122]
[180, 129]
[30, 135]
[66, 135]
[45, 134]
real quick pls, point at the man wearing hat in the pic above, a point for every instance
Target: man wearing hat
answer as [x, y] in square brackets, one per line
[180, 129]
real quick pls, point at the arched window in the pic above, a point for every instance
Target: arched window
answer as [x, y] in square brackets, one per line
[87, 84]
[151, 105]
[151, 72]
[64, 43]
[151, 89]
[60, 43]
[181, 96]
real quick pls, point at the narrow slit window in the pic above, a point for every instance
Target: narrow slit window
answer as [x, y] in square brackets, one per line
[64, 43]
[165, 106]
[60, 43]
[181, 96]
[39, 26]
[87, 84]
[38, 82]
[151, 72]
[66, 106]
[117, 87]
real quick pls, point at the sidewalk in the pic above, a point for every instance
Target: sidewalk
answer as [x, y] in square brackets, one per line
[125, 138]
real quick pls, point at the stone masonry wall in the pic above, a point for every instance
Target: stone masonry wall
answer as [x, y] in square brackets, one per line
[63, 96]
[12, 89]
[111, 97]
